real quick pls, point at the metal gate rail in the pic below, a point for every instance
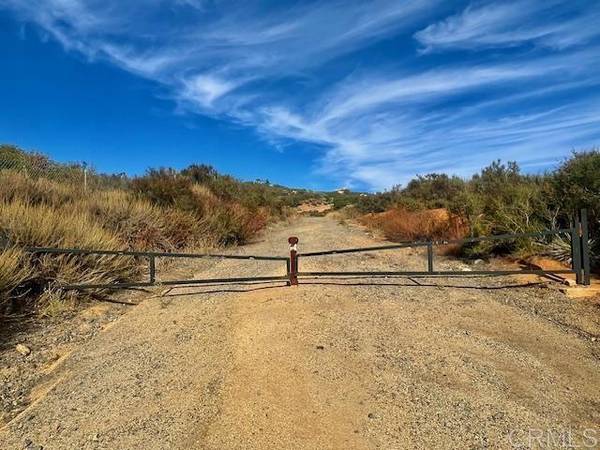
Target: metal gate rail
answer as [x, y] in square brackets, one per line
[152, 256]
[580, 261]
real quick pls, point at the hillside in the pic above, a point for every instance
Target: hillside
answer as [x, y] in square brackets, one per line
[47, 204]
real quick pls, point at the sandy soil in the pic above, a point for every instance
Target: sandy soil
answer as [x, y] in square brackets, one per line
[391, 363]
[314, 207]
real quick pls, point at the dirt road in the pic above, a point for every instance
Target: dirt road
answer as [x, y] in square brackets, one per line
[330, 364]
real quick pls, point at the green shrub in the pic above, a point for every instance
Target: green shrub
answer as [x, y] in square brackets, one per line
[577, 183]
[165, 187]
[502, 200]
[374, 203]
[433, 190]
[229, 211]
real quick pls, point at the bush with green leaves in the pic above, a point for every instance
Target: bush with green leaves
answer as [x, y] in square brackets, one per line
[576, 185]
[577, 182]
[434, 190]
[500, 199]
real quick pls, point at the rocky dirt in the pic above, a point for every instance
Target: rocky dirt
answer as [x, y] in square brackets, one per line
[389, 363]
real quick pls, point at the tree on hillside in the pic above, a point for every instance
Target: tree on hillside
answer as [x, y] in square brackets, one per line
[434, 190]
[577, 183]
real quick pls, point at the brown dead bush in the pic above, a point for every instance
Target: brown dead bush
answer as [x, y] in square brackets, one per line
[400, 224]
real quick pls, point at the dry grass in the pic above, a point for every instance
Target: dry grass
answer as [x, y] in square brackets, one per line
[46, 213]
[141, 225]
[205, 197]
[230, 222]
[402, 225]
[17, 186]
[13, 272]
[29, 225]
[54, 301]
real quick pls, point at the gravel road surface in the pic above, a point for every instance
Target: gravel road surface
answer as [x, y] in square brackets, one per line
[389, 363]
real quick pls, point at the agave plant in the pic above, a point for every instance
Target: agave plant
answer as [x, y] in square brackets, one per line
[560, 249]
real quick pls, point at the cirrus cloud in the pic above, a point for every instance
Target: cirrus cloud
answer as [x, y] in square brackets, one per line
[374, 85]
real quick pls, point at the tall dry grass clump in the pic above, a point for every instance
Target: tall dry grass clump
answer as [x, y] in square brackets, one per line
[160, 213]
[399, 224]
[14, 271]
[140, 225]
[28, 225]
[44, 213]
[18, 186]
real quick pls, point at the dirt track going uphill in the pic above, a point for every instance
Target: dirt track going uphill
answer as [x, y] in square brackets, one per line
[329, 364]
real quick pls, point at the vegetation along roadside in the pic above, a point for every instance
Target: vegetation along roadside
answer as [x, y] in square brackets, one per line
[47, 204]
[44, 203]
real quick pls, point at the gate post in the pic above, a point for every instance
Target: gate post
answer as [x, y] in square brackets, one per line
[585, 250]
[152, 269]
[429, 257]
[293, 261]
[576, 249]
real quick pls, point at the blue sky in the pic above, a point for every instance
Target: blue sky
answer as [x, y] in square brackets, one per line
[310, 94]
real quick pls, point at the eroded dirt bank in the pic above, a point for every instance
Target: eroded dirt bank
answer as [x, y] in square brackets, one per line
[328, 364]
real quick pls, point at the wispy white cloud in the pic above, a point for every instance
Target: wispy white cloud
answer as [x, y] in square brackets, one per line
[205, 89]
[377, 122]
[376, 92]
[393, 126]
[504, 24]
[236, 38]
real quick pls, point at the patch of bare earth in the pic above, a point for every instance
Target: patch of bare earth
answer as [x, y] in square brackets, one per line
[388, 363]
[314, 207]
[45, 344]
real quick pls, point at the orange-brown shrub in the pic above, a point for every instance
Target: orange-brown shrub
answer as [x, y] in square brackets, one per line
[255, 221]
[400, 224]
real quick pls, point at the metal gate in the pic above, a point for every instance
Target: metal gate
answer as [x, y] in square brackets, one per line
[580, 257]
[578, 233]
[152, 257]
